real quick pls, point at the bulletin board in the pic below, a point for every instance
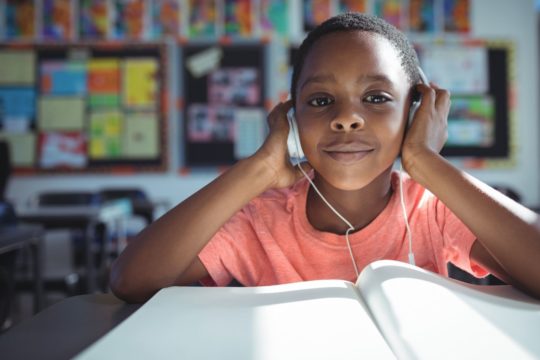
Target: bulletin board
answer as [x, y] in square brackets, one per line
[224, 91]
[84, 107]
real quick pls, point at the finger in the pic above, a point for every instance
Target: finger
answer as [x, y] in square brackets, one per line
[427, 95]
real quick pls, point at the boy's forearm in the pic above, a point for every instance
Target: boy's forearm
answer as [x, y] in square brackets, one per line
[506, 229]
[166, 248]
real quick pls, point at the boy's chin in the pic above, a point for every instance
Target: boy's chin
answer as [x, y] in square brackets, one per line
[345, 183]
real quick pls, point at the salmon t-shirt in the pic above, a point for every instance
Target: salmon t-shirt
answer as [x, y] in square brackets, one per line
[270, 241]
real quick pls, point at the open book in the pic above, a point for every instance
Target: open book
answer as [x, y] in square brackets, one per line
[395, 310]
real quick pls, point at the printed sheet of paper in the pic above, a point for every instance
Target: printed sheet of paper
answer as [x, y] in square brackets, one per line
[202, 18]
[104, 82]
[58, 19]
[63, 77]
[471, 121]
[17, 67]
[250, 131]
[238, 18]
[22, 148]
[460, 69]
[105, 135]
[17, 105]
[141, 136]
[129, 19]
[94, 21]
[62, 149]
[140, 82]
[166, 17]
[61, 113]
[274, 16]
[19, 19]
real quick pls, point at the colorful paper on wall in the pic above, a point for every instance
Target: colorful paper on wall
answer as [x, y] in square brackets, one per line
[422, 15]
[210, 123]
[105, 135]
[166, 18]
[17, 67]
[20, 19]
[104, 76]
[58, 16]
[202, 18]
[457, 16]
[250, 131]
[352, 6]
[460, 69]
[234, 86]
[274, 16]
[17, 105]
[140, 82]
[471, 121]
[390, 10]
[63, 78]
[129, 19]
[315, 12]
[94, 20]
[238, 18]
[141, 136]
[61, 113]
[22, 148]
[62, 150]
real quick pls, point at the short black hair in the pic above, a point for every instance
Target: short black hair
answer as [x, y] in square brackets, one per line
[352, 21]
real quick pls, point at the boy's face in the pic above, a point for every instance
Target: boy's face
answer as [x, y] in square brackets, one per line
[351, 108]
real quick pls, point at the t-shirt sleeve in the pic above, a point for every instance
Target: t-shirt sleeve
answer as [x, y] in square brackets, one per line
[232, 251]
[457, 241]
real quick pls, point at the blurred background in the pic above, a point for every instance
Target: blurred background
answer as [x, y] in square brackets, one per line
[113, 111]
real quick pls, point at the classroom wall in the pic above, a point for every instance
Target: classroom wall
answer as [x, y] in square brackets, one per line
[503, 19]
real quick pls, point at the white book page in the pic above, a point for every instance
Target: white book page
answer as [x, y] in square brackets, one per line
[310, 320]
[426, 316]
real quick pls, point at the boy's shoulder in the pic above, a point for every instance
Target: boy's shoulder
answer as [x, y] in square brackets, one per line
[284, 196]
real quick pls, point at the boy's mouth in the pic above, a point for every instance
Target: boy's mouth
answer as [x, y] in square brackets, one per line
[348, 153]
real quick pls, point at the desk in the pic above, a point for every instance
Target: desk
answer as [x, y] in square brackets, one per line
[14, 237]
[66, 328]
[81, 217]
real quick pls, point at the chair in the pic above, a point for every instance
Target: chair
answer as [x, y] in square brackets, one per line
[74, 250]
[140, 203]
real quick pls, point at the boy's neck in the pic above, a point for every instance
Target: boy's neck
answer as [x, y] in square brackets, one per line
[359, 207]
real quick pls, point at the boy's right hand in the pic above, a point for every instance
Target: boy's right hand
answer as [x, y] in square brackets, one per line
[274, 154]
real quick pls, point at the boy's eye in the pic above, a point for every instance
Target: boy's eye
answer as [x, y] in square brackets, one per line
[376, 99]
[321, 101]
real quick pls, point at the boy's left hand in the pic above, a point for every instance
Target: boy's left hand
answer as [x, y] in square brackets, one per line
[428, 130]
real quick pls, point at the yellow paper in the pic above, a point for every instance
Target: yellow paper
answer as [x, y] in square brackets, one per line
[61, 113]
[22, 148]
[17, 67]
[105, 135]
[139, 83]
[141, 136]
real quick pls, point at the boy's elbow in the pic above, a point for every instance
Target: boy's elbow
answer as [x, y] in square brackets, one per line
[124, 288]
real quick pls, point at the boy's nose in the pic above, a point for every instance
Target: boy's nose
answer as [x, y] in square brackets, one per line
[347, 121]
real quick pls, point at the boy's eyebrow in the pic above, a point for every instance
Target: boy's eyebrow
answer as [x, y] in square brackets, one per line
[325, 77]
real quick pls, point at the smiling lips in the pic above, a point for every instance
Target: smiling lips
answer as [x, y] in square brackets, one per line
[348, 153]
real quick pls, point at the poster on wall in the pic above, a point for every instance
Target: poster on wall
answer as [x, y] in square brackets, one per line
[58, 19]
[94, 19]
[208, 124]
[166, 18]
[62, 150]
[315, 12]
[352, 6]
[20, 19]
[456, 15]
[203, 18]
[274, 17]
[17, 108]
[63, 77]
[105, 134]
[129, 19]
[391, 11]
[471, 121]
[238, 16]
[422, 16]
[234, 86]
